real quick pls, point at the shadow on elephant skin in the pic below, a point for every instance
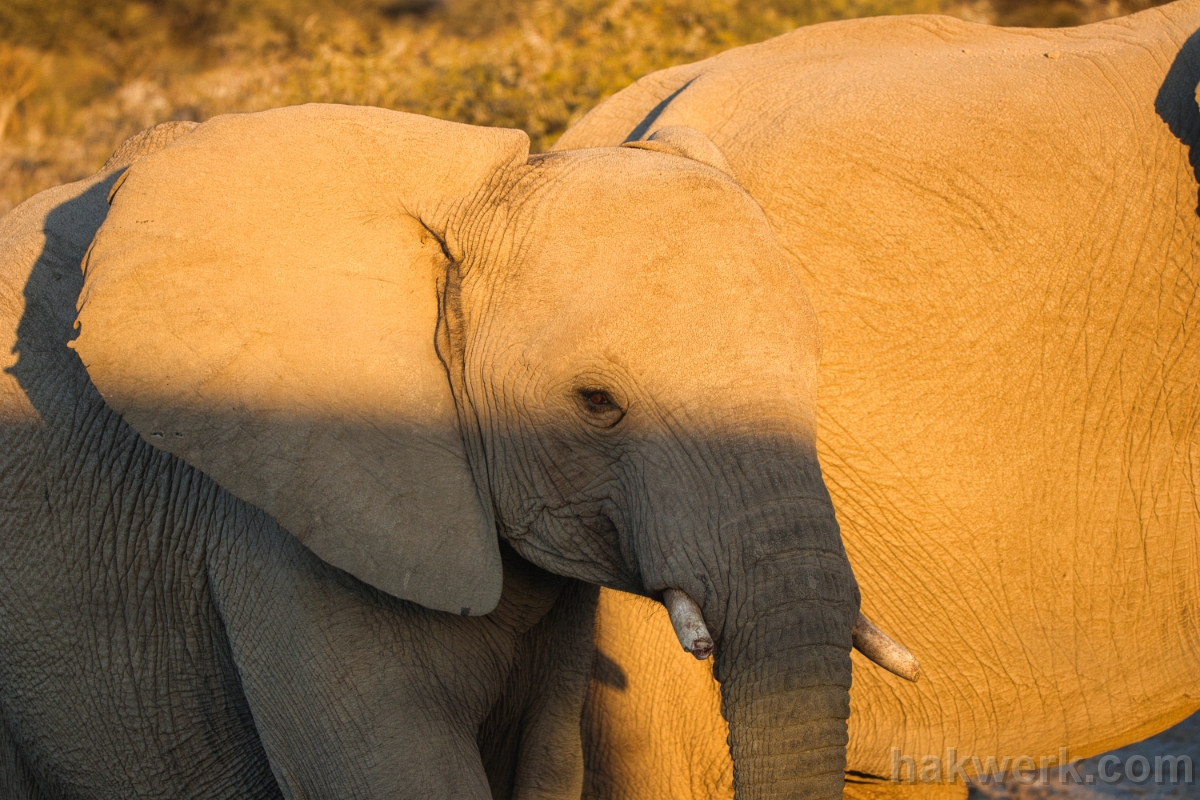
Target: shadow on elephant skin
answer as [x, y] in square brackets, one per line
[642, 127]
[50, 294]
[1176, 103]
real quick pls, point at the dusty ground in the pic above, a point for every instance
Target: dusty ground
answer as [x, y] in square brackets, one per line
[1181, 741]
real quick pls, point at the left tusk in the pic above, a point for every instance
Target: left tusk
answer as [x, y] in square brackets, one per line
[688, 623]
[884, 650]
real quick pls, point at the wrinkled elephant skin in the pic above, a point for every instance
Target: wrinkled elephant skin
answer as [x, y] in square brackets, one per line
[312, 474]
[999, 232]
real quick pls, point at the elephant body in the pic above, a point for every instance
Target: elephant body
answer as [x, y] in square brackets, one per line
[362, 406]
[998, 229]
[312, 474]
[160, 637]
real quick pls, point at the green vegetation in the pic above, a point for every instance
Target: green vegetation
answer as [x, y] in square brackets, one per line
[78, 77]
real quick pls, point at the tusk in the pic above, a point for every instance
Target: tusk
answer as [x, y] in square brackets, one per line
[884, 650]
[688, 623]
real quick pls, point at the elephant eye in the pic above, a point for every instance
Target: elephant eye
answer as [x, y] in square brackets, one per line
[600, 408]
[600, 399]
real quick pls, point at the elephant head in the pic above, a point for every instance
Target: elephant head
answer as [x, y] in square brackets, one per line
[404, 337]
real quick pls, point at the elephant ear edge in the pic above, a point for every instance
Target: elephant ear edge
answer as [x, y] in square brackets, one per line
[261, 301]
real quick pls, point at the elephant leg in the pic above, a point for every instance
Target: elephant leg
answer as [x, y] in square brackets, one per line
[357, 694]
[16, 779]
[531, 742]
[353, 693]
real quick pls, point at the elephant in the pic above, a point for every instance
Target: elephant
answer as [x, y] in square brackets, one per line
[998, 231]
[314, 469]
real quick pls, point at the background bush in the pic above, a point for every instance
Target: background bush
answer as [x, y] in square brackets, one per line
[78, 76]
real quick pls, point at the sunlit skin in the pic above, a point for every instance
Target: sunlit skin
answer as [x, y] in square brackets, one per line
[999, 237]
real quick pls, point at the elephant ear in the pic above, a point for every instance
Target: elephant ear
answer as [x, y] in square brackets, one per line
[680, 140]
[262, 301]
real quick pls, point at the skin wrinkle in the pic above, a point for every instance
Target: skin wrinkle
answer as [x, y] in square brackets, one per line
[140, 500]
[900, 556]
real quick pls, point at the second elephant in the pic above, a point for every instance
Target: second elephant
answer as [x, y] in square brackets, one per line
[999, 232]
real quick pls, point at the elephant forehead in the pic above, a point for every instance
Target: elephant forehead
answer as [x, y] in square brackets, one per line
[655, 312]
[621, 193]
[652, 253]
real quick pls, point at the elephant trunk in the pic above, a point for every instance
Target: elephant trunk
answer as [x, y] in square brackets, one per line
[784, 665]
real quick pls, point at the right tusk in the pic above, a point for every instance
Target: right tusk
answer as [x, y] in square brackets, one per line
[688, 623]
[884, 650]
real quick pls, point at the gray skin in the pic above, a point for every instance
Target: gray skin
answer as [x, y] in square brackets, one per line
[160, 637]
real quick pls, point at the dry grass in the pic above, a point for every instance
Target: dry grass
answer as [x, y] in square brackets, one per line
[77, 78]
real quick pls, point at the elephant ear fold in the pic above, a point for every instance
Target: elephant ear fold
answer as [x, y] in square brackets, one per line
[262, 302]
[680, 140]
